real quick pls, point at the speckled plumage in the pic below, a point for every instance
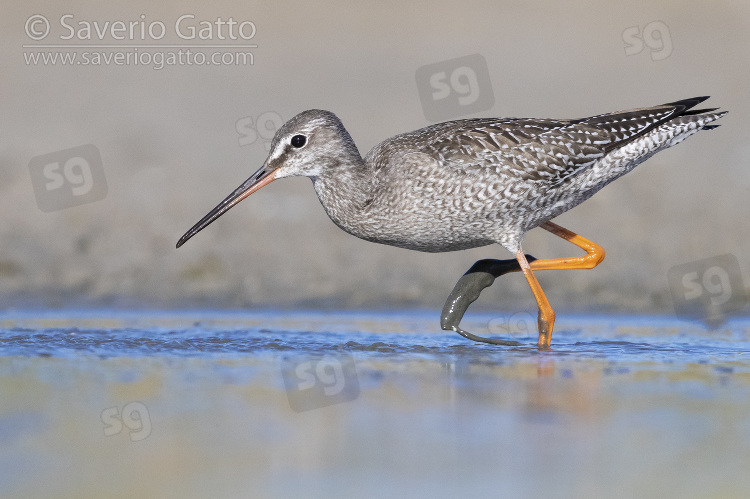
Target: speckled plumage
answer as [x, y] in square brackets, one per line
[469, 183]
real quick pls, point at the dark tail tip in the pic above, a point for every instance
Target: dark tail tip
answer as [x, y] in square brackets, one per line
[688, 103]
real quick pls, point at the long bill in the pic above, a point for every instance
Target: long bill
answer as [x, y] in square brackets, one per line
[261, 178]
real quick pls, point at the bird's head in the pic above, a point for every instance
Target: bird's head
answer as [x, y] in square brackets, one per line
[309, 144]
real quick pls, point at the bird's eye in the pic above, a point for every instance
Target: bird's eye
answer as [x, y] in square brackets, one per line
[299, 141]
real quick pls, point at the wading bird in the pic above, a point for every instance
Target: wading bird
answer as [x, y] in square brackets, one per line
[469, 183]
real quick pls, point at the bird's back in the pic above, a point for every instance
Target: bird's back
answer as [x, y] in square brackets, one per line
[534, 149]
[514, 173]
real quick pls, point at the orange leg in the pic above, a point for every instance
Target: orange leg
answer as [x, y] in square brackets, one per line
[594, 256]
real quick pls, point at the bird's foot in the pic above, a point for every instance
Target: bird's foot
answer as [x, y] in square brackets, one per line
[545, 330]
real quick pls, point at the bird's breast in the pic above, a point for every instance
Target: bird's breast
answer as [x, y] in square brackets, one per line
[418, 209]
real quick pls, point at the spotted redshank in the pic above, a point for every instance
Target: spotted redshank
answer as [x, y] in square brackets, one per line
[469, 183]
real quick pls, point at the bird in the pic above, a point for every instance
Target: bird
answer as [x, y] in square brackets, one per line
[469, 183]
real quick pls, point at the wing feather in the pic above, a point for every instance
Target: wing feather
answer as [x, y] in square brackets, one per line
[544, 149]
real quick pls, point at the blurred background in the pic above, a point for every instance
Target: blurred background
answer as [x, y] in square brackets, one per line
[97, 226]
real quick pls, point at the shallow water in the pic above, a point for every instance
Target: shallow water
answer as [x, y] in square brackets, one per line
[234, 404]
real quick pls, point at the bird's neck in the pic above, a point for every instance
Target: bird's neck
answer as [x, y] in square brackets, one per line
[344, 190]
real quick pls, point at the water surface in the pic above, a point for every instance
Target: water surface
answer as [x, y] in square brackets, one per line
[269, 404]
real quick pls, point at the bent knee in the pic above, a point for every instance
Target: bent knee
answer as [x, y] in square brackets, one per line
[596, 257]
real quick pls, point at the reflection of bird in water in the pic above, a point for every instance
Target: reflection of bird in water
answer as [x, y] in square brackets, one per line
[469, 183]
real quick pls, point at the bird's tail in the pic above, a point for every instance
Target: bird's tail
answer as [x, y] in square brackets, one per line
[630, 125]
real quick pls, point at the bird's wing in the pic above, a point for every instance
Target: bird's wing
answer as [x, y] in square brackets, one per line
[546, 150]
[526, 149]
